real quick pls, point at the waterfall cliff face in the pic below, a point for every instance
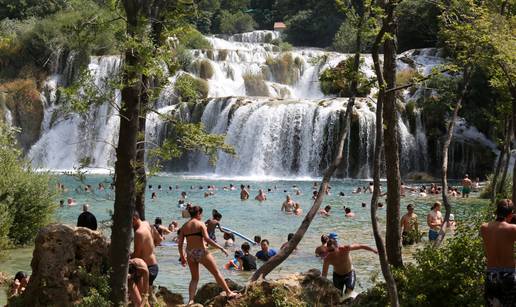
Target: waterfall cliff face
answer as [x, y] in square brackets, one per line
[268, 103]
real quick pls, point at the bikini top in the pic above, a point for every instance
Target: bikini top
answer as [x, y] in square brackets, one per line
[194, 234]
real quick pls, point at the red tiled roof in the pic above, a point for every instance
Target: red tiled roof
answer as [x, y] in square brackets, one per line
[279, 25]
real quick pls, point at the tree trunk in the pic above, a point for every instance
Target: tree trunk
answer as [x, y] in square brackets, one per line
[499, 163]
[507, 149]
[391, 146]
[446, 145]
[380, 246]
[121, 231]
[284, 253]
[513, 94]
[141, 182]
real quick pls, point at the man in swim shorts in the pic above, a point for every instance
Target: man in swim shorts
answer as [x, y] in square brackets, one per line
[339, 257]
[144, 246]
[466, 186]
[409, 227]
[434, 220]
[499, 237]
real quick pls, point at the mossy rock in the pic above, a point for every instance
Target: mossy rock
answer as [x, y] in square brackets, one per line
[205, 69]
[190, 88]
[255, 85]
[223, 55]
[283, 68]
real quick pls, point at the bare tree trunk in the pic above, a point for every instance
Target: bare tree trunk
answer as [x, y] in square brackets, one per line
[121, 232]
[380, 246]
[284, 253]
[446, 145]
[391, 146]
[513, 93]
[498, 169]
[141, 175]
[507, 149]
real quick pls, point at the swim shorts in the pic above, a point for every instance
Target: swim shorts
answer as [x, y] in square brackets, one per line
[407, 239]
[466, 190]
[348, 280]
[153, 273]
[433, 234]
[500, 287]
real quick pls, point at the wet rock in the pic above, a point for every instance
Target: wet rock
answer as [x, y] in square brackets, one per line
[4, 279]
[62, 255]
[210, 290]
[169, 298]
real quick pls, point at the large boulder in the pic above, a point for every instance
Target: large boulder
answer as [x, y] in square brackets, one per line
[210, 290]
[63, 258]
[168, 298]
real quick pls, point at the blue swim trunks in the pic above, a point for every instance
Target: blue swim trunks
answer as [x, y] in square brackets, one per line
[433, 234]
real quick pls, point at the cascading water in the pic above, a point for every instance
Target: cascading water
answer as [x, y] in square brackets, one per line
[290, 130]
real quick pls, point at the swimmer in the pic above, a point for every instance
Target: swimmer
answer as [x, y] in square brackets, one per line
[70, 202]
[19, 284]
[322, 250]
[61, 203]
[244, 193]
[288, 205]
[185, 213]
[265, 253]
[297, 209]
[229, 239]
[214, 223]
[409, 227]
[173, 226]
[434, 220]
[325, 211]
[314, 195]
[342, 194]
[466, 186]
[154, 196]
[247, 262]
[289, 237]
[257, 240]
[348, 212]
[182, 198]
[357, 191]
[261, 196]
[159, 187]
[159, 231]
[364, 205]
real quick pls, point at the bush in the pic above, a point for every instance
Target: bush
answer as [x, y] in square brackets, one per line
[451, 275]
[15, 9]
[337, 80]
[255, 85]
[26, 201]
[407, 76]
[190, 89]
[487, 191]
[345, 39]
[314, 26]
[190, 38]
[231, 23]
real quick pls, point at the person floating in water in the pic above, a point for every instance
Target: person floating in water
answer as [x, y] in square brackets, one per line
[409, 227]
[498, 237]
[244, 193]
[144, 246]
[196, 234]
[265, 253]
[261, 196]
[434, 220]
[339, 257]
[466, 186]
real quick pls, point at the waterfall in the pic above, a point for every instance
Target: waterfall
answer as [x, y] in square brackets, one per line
[267, 102]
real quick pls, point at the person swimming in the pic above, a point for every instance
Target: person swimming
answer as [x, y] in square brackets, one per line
[325, 211]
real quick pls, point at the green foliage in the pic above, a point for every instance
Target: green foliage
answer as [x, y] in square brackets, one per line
[231, 23]
[255, 85]
[451, 275]
[345, 38]
[487, 191]
[25, 196]
[418, 24]
[189, 88]
[189, 37]
[407, 76]
[20, 9]
[338, 80]
[95, 288]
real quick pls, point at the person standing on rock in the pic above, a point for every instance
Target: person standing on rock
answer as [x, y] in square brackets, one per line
[144, 246]
[87, 219]
[196, 235]
[339, 257]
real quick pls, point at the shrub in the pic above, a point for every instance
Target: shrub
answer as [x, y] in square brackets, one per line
[183, 57]
[337, 80]
[451, 275]
[407, 76]
[487, 191]
[231, 23]
[284, 68]
[345, 39]
[284, 47]
[25, 197]
[190, 38]
[255, 85]
[190, 89]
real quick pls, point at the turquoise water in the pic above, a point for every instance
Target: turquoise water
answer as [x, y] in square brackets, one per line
[248, 217]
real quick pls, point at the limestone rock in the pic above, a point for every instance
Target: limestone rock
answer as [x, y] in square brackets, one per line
[169, 298]
[212, 289]
[61, 255]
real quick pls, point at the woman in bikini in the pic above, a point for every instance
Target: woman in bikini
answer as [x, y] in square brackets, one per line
[196, 235]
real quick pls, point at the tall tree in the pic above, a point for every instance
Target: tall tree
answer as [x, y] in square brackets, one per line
[391, 145]
[345, 120]
[380, 246]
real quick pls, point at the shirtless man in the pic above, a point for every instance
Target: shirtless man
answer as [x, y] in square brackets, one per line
[339, 257]
[409, 227]
[288, 205]
[499, 237]
[244, 194]
[261, 196]
[466, 186]
[214, 223]
[434, 220]
[325, 211]
[144, 246]
[322, 250]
